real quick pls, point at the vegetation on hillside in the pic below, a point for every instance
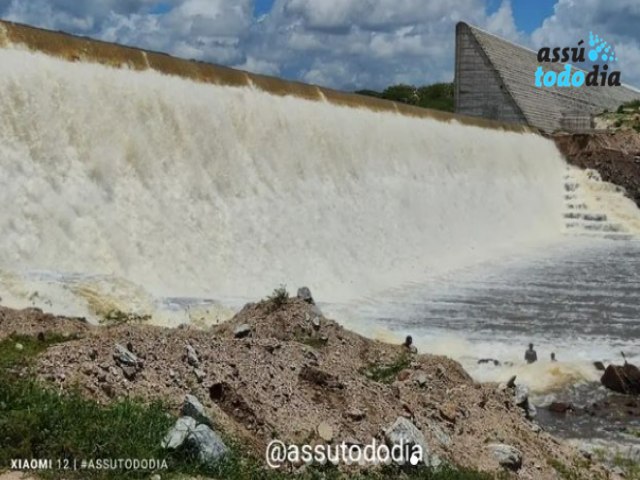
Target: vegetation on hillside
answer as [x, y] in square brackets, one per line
[626, 117]
[438, 96]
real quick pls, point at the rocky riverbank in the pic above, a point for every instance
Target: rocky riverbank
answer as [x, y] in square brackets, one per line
[614, 154]
[280, 369]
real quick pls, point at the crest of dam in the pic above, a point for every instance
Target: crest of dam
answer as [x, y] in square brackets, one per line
[190, 179]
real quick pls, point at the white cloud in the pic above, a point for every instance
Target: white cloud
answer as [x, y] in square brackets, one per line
[339, 43]
[616, 20]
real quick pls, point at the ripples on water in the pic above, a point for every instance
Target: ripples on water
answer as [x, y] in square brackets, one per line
[578, 299]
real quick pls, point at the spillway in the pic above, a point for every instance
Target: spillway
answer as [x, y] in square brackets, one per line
[183, 181]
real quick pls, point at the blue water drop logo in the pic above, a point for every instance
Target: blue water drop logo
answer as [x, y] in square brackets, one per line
[598, 44]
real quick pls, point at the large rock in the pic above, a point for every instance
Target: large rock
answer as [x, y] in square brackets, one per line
[506, 455]
[622, 379]
[191, 407]
[404, 432]
[199, 440]
[192, 356]
[207, 444]
[521, 399]
[305, 294]
[521, 396]
[178, 433]
[124, 356]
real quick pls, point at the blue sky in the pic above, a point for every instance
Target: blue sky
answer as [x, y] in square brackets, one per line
[345, 44]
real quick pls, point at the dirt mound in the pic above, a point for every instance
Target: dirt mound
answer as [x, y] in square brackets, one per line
[282, 370]
[32, 321]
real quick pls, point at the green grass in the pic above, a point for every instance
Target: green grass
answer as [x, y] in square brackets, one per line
[278, 298]
[386, 373]
[36, 421]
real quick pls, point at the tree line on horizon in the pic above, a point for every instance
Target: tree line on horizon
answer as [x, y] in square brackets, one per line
[438, 96]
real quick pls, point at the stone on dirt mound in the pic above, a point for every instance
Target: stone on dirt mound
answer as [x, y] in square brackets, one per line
[207, 444]
[124, 356]
[194, 409]
[178, 433]
[403, 432]
[305, 294]
[506, 455]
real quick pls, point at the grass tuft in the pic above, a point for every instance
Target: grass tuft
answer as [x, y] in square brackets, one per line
[386, 373]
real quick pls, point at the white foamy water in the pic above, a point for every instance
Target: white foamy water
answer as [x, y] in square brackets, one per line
[187, 189]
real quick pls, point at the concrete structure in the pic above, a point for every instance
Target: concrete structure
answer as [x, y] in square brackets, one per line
[495, 80]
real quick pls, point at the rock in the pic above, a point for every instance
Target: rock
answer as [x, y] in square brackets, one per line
[200, 375]
[442, 437]
[521, 399]
[320, 377]
[622, 379]
[19, 347]
[305, 294]
[107, 388]
[241, 331]
[191, 407]
[599, 366]
[403, 432]
[422, 380]
[560, 407]
[355, 414]
[129, 372]
[618, 471]
[506, 455]
[404, 375]
[315, 321]
[325, 431]
[178, 433]
[489, 360]
[123, 356]
[521, 395]
[207, 443]
[512, 382]
[192, 356]
[448, 411]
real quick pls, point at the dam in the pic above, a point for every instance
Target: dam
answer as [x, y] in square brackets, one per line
[134, 181]
[196, 180]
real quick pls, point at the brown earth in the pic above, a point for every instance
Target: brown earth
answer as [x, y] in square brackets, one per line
[32, 321]
[293, 371]
[615, 155]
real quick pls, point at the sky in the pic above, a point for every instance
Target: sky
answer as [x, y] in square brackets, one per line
[344, 44]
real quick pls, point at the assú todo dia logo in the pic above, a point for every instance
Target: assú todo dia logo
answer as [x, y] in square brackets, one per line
[597, 52]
